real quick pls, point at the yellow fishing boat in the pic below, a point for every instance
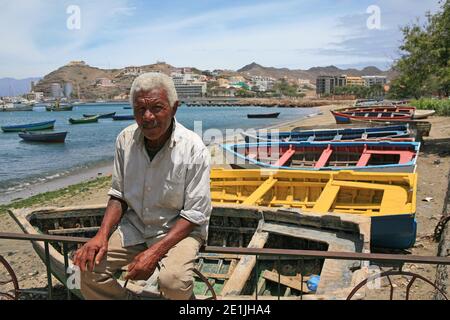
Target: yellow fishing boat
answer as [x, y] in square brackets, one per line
[388, 198]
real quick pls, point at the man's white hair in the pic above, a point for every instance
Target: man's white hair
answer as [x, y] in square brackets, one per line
[152, 80]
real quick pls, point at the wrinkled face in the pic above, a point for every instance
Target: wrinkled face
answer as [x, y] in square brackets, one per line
[153, 112]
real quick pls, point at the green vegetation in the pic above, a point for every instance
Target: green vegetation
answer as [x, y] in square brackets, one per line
[424, 68]
[361, 92]
[45, 198]
[285, 89]
[442, 107]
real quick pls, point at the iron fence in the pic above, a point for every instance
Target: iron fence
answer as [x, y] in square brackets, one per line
[395, 260]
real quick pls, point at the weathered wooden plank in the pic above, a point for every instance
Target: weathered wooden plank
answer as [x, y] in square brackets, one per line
[291, 282]
[244, 267]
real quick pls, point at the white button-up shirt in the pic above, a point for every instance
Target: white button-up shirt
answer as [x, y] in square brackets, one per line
[174, 184]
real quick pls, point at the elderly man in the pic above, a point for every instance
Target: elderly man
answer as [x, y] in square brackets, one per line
[159, 200]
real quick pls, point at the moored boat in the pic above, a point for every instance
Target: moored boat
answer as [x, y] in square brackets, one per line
[123, 117]
[83, 120]
[53, 137]
[60, 107]
[100, 116]
[423, 114]
[263, 115]
[379, 113]
[389, 199]
[344, 134]
[45, 125]
[232, 275]
[386, 156]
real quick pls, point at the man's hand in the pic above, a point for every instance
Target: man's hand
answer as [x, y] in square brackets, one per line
[95, 248]
[143, 265]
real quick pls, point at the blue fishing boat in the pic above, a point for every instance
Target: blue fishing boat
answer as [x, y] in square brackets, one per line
[344, 134]
[127, 107]
[384, 156]
[53, 137]
[29, 126]
[123, 117]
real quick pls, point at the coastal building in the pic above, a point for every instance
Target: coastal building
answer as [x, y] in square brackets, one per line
[354, 81]
[374, 80]
[132, 71]
[36, 96]
[56, 90]
[262, 84]
[68, 89]
[191, 90]
[325, 85]
[104, 82]
[76, 63]
[222, 92]
[223, 83]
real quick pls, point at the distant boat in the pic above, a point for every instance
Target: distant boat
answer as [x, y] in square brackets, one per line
[123, 117]
[378, 113]
[100, 116]
[127, 107]
[61, 107]
[263, 115]
[383, 156]
[30, 126]
[345, 134]
[56, 137]
[16, 107]
[83, 120]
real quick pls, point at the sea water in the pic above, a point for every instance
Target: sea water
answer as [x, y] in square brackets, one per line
[88, 145]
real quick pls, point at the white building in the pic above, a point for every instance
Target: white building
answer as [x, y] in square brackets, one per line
[56, 90]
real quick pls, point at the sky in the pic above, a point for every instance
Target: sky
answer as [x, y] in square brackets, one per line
[39, 36]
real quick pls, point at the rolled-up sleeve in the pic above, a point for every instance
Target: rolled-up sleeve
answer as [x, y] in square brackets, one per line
[197, 202]
[116, 189]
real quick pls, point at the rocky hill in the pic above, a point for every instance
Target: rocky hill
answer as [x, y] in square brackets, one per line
[255, 69]
[84, 79]
[86, 85]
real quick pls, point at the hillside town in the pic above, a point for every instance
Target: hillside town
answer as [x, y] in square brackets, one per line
[77, 81]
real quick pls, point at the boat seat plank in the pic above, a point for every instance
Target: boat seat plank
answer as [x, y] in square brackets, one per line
[337, 137]
[326, 198]
[285, 157]
[260, 192]
[311, 138]
[324, 157]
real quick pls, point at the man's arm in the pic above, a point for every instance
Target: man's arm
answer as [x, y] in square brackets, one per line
[144, 264]
[97, 247]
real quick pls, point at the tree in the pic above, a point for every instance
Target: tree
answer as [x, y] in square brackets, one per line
[424, 68]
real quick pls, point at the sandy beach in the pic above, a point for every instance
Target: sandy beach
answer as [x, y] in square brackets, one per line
[433, 169]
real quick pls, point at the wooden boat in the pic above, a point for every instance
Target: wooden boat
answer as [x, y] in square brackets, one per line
[29, 126]
[380, 113]
[123, 117]
[423, 114]
[83, 120]
[16, 107]
[234, 276]
[385, 156]
[389, 199]
[263, 115]
[100, 116]
[53, 137]
[344, 134]
[61, 107]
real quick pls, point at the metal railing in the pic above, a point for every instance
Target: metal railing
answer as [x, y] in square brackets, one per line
[391, 259]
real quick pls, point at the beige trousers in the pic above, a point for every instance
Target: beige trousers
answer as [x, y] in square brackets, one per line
[175, 278]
